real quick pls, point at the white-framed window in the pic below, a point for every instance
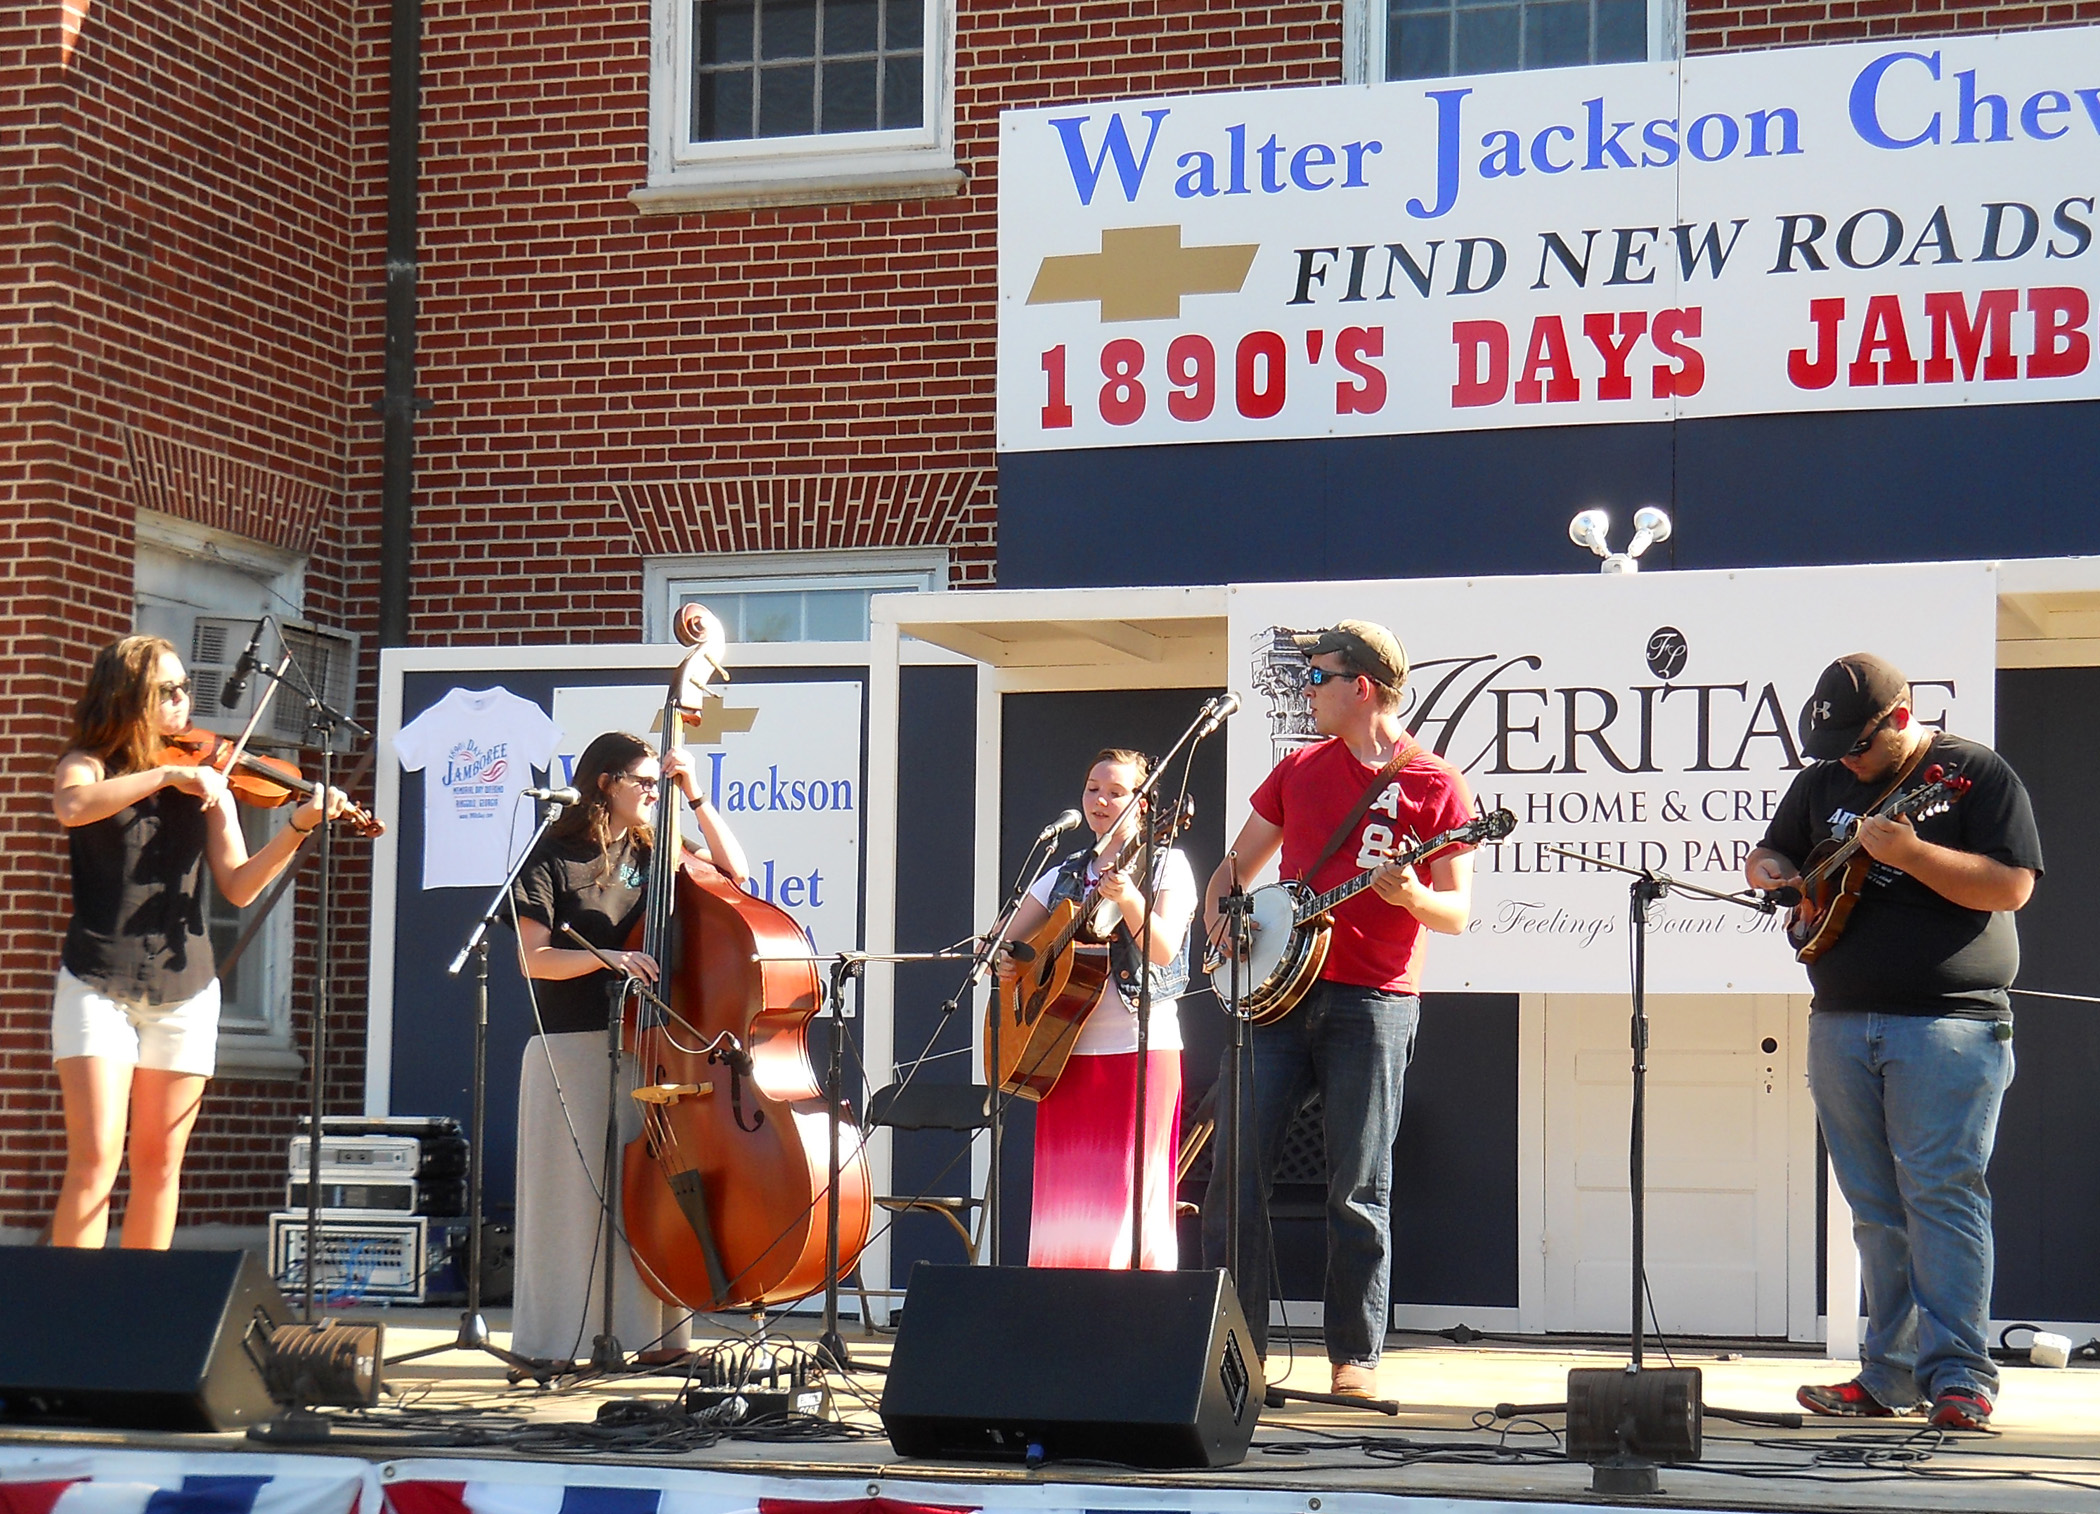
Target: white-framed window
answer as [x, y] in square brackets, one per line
[1429, 39]
[784, 102]
[188, 577]
[786, 596]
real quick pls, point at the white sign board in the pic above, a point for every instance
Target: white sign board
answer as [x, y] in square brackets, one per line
[794, 803]
[1645, 719]
[1881, 225]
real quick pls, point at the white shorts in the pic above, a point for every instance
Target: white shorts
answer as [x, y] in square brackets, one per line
[180, 1037]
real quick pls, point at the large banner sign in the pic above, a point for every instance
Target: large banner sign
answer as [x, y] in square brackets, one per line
[1879, 225]
[793, 802]
[1646, 720]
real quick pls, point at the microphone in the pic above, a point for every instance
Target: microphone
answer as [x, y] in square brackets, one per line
[236, 685]
[1217, 711]
[556, 796]
[1065, 822]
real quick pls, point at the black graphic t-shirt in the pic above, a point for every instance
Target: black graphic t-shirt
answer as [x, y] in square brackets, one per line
[570, 883]
[137, 931]
[1906, 950]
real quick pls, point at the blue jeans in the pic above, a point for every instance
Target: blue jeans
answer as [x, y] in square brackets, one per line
[1909, 1107]
[1355, 1044]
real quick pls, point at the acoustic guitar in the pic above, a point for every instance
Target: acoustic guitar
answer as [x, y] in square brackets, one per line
[1053, 977]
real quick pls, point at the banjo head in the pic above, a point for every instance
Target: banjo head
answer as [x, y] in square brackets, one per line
[1274, 913]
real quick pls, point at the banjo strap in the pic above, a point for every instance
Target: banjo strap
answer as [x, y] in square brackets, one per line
[1407, 752]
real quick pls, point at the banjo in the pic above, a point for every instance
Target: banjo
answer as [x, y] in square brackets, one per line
[1290, 924]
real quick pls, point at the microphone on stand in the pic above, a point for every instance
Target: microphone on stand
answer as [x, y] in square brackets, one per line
[1069, 820]
[571, 797]
[1216, 712]
[236, 685]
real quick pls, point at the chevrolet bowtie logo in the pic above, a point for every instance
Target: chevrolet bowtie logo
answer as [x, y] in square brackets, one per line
[1141, 273]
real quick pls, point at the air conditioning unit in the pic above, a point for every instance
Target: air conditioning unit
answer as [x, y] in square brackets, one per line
[322, 658]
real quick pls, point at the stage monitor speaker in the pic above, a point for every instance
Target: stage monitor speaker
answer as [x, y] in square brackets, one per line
[1150, 1369]
[135, 1340]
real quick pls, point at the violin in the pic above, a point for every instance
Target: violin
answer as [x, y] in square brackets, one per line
[265, 782]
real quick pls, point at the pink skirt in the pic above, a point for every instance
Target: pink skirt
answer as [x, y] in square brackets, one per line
[1083, 1132]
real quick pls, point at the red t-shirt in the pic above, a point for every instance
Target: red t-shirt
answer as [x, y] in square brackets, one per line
[1375, 944]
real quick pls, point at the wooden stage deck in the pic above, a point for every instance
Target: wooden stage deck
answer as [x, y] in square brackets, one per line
[2043, 1453]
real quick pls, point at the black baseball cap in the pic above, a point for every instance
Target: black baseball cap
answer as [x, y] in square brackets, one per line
[1371, 649]
[1854, 690]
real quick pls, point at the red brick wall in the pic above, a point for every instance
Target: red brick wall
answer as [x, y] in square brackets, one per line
[173, 294]
[1711, 27]
[605, 383]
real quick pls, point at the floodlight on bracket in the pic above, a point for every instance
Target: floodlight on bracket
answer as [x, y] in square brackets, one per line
[1650, 525]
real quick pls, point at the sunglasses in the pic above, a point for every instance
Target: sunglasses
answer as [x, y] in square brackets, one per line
[1315, 677]
[1860, 747]
[170, 692]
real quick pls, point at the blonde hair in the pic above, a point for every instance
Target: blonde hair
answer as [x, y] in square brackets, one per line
[112, 721]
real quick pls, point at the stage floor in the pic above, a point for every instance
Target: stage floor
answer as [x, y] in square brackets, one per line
[2043, 1453]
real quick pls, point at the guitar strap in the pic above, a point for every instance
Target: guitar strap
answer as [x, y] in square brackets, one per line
[1902, 777]
[1409, 749]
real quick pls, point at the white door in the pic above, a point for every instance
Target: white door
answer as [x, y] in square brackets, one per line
[1728, 1115]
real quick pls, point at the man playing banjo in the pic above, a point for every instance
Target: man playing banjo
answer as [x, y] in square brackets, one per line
[1335, 808]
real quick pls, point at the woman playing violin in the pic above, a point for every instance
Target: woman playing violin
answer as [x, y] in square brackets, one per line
[588, 875]
[1084, 1127]
[136, 1012]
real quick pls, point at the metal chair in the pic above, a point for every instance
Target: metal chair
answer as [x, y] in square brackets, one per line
[925, 1105]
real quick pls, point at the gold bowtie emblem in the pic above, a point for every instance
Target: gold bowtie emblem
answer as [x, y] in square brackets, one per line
[1141, 273]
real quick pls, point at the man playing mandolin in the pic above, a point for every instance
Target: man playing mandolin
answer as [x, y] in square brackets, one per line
[1333, 809]
[1910, 1038]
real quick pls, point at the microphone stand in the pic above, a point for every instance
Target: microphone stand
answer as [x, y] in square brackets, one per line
[473, 1327]
[1207, 722]
[1642, 1414]
[845, 967]
[994, 1105]
[323, 721]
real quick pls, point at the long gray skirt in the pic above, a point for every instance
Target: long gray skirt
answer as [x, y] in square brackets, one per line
[557, 1309]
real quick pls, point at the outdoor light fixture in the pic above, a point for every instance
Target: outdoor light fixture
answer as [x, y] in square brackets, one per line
[1650, 525]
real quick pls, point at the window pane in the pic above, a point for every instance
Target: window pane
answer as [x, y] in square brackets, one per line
[772, 617]
[728, 608]
[849, 96]
[850, 26]
[904, 23]
[1557, 35]
[1622, 31]
[1487, 40]
[835, 615]
[787, 100]
[787, 29]
[722, 31]
[722, 106]
[1419, 47]
[902, 103]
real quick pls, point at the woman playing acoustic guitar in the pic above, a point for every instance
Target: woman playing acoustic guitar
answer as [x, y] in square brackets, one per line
[135, 1017]
[1085, 1124]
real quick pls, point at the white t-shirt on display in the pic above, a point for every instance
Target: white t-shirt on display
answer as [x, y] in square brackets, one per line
[476, 749]
[1111, 1027]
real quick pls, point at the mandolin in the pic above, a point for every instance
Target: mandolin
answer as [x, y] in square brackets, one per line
[1836, 870]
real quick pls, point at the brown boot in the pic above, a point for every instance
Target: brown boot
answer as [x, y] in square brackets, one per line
[1352, 1381]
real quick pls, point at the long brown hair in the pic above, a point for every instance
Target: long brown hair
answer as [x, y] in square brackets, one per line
[112, 720]
[607, 756]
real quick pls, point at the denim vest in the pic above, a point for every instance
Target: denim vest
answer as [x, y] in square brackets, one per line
[1169, 979]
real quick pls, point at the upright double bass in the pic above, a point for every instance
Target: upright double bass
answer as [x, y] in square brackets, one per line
[725, 1190]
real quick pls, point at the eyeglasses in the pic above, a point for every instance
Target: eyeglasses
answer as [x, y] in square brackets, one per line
[1314, 677]
[646, 785]
[1865, 743]
[170, 692]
